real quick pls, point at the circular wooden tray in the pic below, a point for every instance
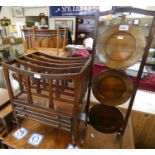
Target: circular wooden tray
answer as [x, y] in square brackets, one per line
[112, 87]
[105, 119]
[120, 49]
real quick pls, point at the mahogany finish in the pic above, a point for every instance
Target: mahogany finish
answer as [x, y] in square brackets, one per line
[112, 87]
[55, 138]
[106, 119]
[49, 92]
[120, 49]
[144, 56]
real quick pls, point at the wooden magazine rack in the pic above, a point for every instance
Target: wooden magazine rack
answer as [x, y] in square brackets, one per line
[55, 90]
[52, 89]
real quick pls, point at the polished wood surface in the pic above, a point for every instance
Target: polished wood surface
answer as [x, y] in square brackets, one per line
[120, 49]
[141, 48]
[2, 134]
[5, 111]
[143, 129]
[52, 89]
[59, 139]
[49, 51]
[98, 140]
[54, 138]
[112, 87]
[142, 118]
[124, 43]
[106, 119]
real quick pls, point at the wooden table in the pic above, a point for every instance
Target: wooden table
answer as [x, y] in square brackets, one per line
[53, 137]
[5, 110]
[59, 139]
[98, 140]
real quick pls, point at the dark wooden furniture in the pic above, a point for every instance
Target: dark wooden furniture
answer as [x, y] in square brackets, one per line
[144, 57]
[119, 48]
[85, 26]
[53, 90]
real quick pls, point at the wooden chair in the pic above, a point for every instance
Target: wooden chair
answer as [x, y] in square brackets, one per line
[52, 89]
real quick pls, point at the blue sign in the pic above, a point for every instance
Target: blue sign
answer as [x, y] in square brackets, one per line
[71, 10]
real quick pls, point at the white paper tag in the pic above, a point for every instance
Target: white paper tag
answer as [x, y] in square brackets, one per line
[20, 133]
[37, 76]
[120, 37]
[35, 139]
[124, 27]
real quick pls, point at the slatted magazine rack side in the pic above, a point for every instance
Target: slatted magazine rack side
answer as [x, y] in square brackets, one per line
[62, 91]
[48, 58]
[142, 64]
[61, 58]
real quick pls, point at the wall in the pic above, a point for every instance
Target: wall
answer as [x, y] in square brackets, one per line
[6, 11]
[33, 11]
[52, 23]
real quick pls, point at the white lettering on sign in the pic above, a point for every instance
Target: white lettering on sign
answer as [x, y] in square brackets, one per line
[124, 27]
[37, 76]
[63, 9]
[70, 9]
[77, 8]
